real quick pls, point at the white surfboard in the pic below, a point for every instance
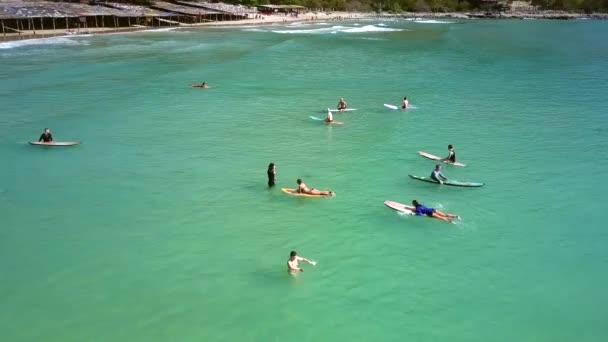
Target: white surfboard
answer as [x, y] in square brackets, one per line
[55, 143]
[433, 157]
[390, 106]
[344, 110]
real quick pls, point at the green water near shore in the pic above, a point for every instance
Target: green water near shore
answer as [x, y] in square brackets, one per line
[159, 226]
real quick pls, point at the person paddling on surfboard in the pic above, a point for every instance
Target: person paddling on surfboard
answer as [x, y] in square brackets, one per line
[46, 136]
[437, 176]
[202, 85]
[342, 105]
[330, 116]
[431, 212]
[405, 104]
[303, 189]
[292, 263]
[451, 158]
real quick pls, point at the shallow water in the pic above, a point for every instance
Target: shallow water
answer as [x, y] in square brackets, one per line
[159, 226]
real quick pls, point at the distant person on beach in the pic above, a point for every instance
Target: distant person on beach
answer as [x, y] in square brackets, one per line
[437, 175]
[330, 116]
[292, 263]
[405, 104]
[272, 173]
[303, 189]
[342, 105]
[46, 136]
[431, 212]
[451, 155]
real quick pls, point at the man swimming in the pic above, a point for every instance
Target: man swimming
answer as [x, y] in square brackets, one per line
[405, 104]
[437, 175]
[342, 105]
[451, 155]
[303, 189]
[46, 136]
[431, 212]
[292, 262]
[330, 116]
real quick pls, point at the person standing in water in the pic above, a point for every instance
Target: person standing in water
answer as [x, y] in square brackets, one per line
[46, 136]
[342, 105]
[437, 176]
[330, 117]
[405, 104]
[451, 155]
[292, 263]
[272, 174]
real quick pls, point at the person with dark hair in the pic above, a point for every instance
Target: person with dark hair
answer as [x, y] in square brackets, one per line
[292, 262]
[342, 105]
[272, 174]
[431, 212]
[303, 189]
[437, 176]
[46, 136]
[451, 158]
[405, 104]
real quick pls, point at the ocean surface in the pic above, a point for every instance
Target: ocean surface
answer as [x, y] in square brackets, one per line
[160, 225]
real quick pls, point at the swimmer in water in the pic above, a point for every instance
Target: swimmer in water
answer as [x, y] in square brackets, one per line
[292, 263]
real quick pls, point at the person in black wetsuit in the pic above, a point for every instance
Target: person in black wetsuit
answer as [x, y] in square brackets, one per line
[46, 136]
[272, 173]
[451, 156]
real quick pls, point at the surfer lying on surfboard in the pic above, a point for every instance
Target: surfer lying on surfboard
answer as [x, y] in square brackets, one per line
[431, 212]
[342, 105]
[202, 85]
[437, 175]
[46, 136]
[303, 189]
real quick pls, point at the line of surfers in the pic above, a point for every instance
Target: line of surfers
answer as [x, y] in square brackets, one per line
[420, 209]
[343, 105]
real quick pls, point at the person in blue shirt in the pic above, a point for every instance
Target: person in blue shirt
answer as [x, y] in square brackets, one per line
[431, 212]
[437, 176]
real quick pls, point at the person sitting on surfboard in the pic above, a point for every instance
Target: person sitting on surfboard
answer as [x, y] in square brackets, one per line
[46, 136]
[431, 212]
[405, 104]
[342, 105]
[451, 155]
[272, 173]
[303, 189]
[292, 262]
[330, 116]
[437, 175]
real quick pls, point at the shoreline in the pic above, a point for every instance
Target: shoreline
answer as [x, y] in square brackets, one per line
[310, 17]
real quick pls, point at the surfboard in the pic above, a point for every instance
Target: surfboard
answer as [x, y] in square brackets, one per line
[327, 123]
[406, 209]
[433, 157]
[390, 106]
[198, 86]
[294, 192]
[55, 143]
[448, 182]
[336, 110]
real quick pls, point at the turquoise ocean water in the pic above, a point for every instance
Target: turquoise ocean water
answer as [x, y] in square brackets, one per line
[160, 227]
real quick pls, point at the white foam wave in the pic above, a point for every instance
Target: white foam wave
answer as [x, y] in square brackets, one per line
[430, 21]
[41, 41]
[337, 29]
[371, 28]
[253, 30]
